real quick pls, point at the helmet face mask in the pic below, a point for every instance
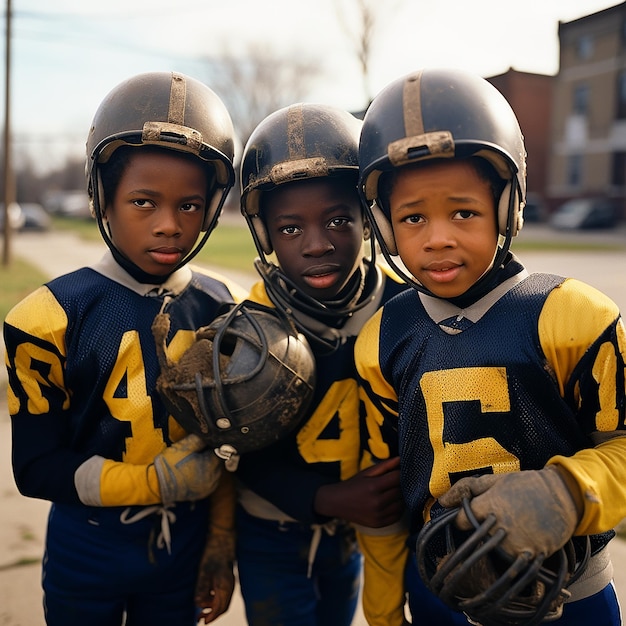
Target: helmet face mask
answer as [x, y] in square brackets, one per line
[170, 111]
[470, 573]
[245, 383]
[441, 114]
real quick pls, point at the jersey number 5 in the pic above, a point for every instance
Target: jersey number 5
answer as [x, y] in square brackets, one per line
[489, 387]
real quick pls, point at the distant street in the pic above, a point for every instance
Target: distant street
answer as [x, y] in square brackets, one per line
[605, 270]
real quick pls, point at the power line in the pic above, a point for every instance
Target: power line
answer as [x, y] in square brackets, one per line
[115, 14]
[94, 33]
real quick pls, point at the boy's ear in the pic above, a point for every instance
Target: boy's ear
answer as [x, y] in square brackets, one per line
[367, 230]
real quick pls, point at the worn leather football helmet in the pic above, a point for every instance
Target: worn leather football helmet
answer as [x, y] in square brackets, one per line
[435, 114]
[469, 571]
[171, 111]
[245, 382]
[295, 143]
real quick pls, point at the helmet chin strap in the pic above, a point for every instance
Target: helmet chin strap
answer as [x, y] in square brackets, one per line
[286, 296]
[483, 284]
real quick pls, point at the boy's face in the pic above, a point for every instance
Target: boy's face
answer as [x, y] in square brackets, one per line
[157, 211]
[316, 229]
[444, 222]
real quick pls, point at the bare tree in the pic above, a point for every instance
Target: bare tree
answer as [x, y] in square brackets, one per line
[360, 20]
[258, 81]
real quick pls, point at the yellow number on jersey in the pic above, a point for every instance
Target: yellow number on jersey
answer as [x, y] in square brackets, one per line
[489, 386]
[32, 379]
[377, 446]
[341, 403]
[135, 406]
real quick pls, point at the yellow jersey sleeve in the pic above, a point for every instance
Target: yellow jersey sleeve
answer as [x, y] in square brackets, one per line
[384, 562]
[600, 471]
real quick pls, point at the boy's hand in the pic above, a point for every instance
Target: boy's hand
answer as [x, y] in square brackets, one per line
[216, 579]
[187, 471]
[370, 498]
[535, 508]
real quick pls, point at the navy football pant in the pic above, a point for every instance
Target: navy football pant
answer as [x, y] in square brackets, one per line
[272, 561]
[426, 608]
[97, 570]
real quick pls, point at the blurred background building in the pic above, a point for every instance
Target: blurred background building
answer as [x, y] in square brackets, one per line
[574, 122]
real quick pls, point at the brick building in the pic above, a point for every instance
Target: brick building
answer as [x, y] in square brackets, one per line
[589, 109]
[530, 95]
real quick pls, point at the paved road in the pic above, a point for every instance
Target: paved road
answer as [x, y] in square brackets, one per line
[22, 520]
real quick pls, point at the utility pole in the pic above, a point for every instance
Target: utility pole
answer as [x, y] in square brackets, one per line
[9, 181]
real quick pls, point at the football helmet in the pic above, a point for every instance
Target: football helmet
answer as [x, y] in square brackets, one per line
[471, 573]
[432, 114]
[294, 143]
[245, 382]
[298, 142]
[171, 111]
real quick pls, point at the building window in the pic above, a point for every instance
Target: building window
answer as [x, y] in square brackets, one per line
[621, 96]
[574, 170]
[618, 176]
[584, 47]
[581, 99]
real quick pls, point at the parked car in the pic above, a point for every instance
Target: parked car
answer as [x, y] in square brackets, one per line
[67, 203]
[26, 216]
[35, 217]
[534, 209]
[585, 213]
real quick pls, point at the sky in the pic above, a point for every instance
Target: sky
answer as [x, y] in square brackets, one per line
[67, 55]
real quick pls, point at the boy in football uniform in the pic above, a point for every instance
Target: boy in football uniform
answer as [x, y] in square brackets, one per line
[506, 388]
[297, 554]
[129, 488]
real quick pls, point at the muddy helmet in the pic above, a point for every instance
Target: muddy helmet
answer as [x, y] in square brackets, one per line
[245, 383]
[171, 111]
[471, 573]
[295, 143]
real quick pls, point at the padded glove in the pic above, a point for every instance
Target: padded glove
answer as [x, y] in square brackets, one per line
[534, 507]
[187, 471]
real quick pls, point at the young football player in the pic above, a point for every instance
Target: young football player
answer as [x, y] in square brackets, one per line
[129, 488]
[297, 553]
[506, 388]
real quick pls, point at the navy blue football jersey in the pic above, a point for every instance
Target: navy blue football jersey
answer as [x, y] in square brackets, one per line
[82, 369]
[531, 374]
